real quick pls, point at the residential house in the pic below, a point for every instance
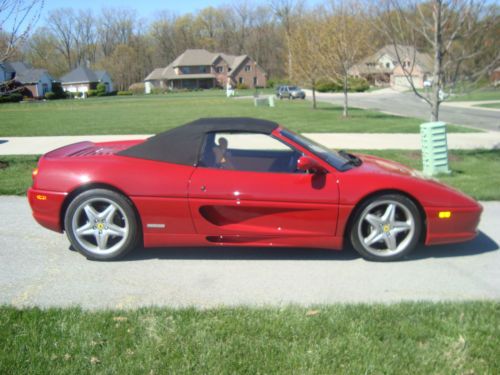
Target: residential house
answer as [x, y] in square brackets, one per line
[83, 79]
[36, 82]
[6, 72]
[199, 68]
[383, 67]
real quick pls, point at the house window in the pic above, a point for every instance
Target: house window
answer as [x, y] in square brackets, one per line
[219, 69]
[240, 80]
[387, 65]
[248, 68]
[186, 70]
[203, 69]
[254, 81]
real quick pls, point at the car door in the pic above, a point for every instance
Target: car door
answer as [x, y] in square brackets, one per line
[261, 195]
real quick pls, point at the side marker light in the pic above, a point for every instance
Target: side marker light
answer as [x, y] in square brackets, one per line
[41, 197]
[444, 214]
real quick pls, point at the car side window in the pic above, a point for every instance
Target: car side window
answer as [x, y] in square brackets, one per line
[253, 152]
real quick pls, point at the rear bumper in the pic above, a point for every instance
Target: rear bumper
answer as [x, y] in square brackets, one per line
[46, 207]
[461, 226]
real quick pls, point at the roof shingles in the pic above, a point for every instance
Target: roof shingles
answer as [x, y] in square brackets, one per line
[195, 57]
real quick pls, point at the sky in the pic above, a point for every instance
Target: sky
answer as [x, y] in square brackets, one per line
[144, 8]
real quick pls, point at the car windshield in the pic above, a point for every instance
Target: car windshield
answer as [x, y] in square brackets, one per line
[332, 157]
[293, 88]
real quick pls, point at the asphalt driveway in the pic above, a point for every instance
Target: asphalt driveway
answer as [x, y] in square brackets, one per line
[38, 268]
[408, 104]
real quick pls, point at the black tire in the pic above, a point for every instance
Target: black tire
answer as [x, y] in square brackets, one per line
[378, 235]
[101, 224]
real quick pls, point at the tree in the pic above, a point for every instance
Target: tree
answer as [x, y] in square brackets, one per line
[344, 41]
[17, 19]
[61, 25]
[122, 66]
[286, 12]
[305, 43]
[447, 28]
[42, 53]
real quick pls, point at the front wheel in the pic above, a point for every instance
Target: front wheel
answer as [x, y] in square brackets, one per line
[101, 224]
[386, 227]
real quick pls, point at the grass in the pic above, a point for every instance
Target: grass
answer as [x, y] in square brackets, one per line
[485, 93]
[147, 114]
[475, 172]
[15, 173]
[490, 105]
[417, 338]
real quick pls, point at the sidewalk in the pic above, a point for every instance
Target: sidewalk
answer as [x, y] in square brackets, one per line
[366, 141]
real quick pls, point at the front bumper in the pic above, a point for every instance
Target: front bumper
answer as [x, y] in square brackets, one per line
[46, 207]
[460, 226]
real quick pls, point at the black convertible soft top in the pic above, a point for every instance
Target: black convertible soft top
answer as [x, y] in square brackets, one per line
[182, 145]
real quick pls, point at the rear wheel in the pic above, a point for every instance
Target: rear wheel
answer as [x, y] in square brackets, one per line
[101, 224]
[386, 227]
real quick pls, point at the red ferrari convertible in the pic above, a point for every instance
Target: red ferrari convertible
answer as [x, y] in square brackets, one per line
[241, 182]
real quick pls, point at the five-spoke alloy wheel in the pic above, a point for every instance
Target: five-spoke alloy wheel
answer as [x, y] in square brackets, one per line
[101, 224]
[386, 227]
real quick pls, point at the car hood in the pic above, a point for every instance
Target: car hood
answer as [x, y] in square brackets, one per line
[375, 164]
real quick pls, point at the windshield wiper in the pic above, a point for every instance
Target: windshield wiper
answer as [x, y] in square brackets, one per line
[351, 159]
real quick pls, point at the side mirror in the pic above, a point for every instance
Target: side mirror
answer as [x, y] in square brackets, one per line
[307, 164]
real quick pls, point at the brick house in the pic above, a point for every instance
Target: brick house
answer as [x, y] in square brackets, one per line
[198, 68]
[383, 67]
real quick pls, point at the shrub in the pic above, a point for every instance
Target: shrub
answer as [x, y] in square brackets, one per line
[12, 98]
[124, 93]
[354, 84]
[329, 86]
[137, 88]
[101, 89]
[91, 93]
[358, 84]
[50, 95]
[158, 90]
[241, 86]
[58, 91]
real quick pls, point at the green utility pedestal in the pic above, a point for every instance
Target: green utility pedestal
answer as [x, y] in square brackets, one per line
[434, 148]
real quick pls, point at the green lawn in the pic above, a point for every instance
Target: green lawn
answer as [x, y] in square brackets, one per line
[407, 338]
[475, 172]
[15, 173]
[490, 105]
[146, 114]
[486, 93]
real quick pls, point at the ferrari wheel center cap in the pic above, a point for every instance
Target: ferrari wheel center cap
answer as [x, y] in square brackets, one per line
[387, 228]
[100, 226]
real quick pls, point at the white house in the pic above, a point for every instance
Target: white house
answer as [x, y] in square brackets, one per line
[83, 79]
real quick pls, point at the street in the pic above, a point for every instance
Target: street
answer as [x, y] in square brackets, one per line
[408, 104]
[37, 268]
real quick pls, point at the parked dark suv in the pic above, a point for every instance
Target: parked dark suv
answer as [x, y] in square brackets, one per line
[290, 92]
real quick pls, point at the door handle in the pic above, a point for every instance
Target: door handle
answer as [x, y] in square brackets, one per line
[203, 188]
